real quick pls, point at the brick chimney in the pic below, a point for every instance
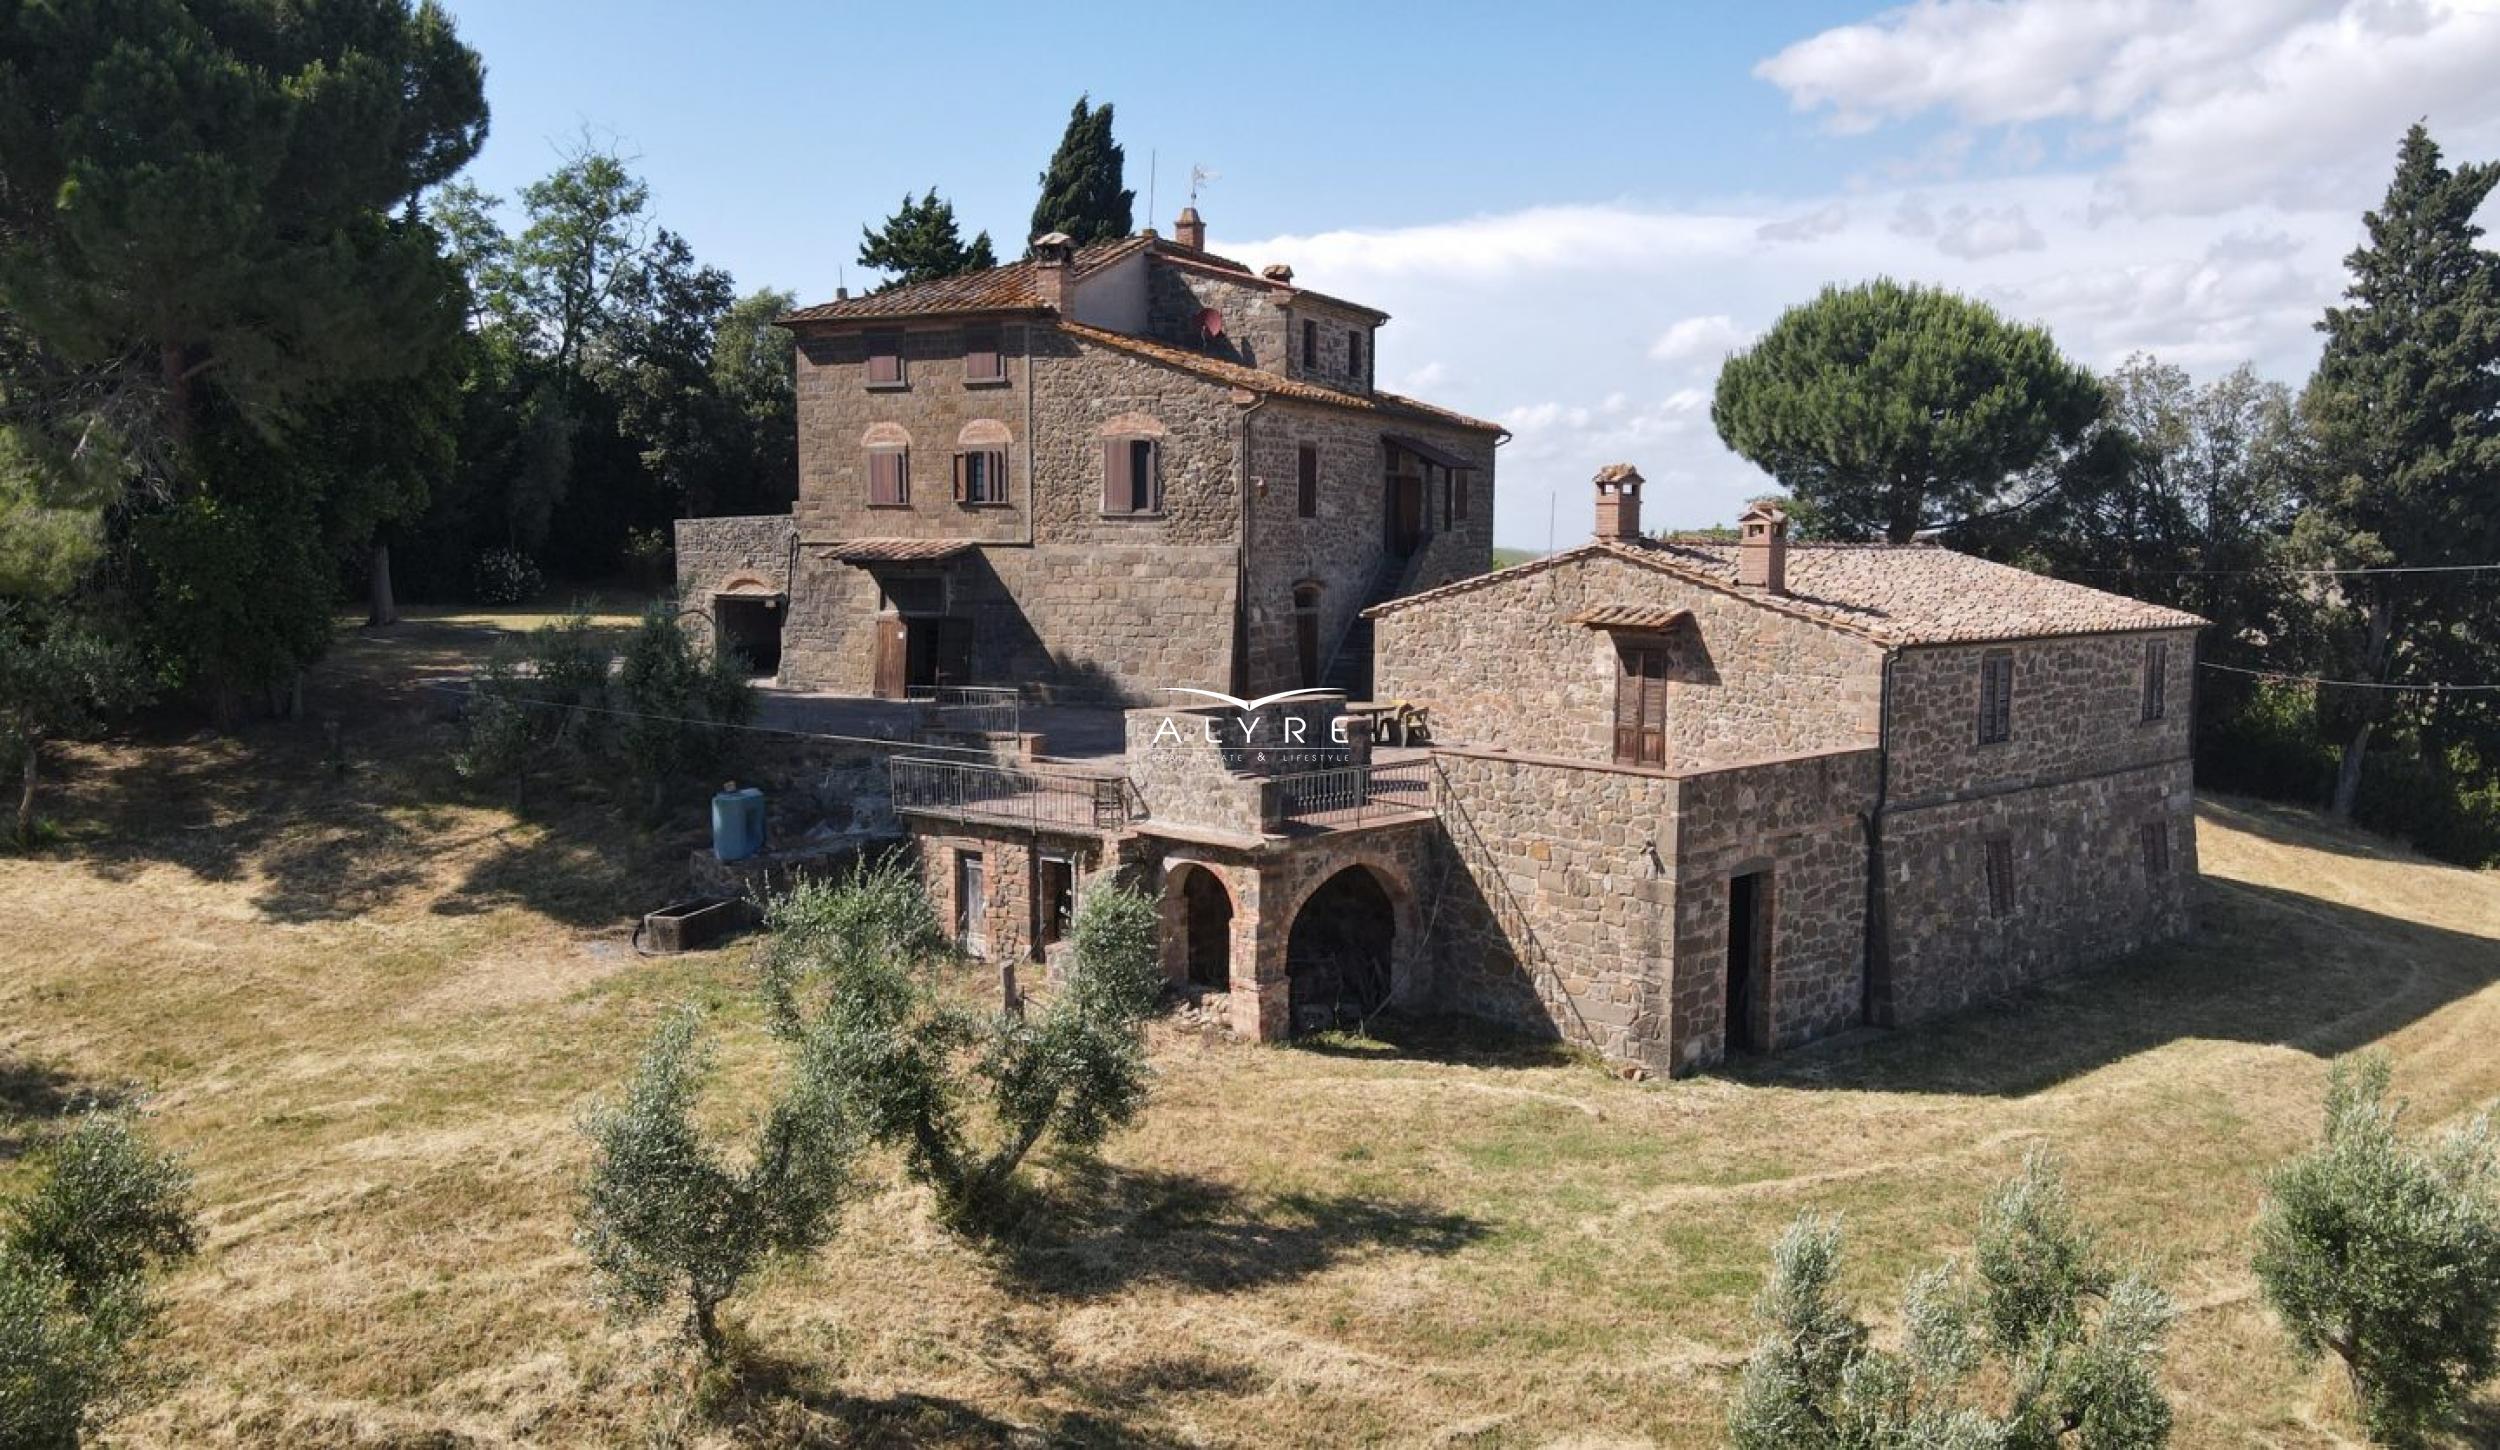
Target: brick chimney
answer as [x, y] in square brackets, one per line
[1052, 252]
[1190, 229]
[1618, 502]
[1762, 549]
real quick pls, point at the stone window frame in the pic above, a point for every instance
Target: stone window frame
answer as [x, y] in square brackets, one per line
[1996, 697]
[996, 352]
[886, 346]
[2156, 684]
[1997, 876]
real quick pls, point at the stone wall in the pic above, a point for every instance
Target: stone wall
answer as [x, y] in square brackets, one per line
[1011, 872]
[731, 555]
[1345, 545]
[2082, 892]
[1336, 324]
[1802, 823]
[1501, 665]
[2077, 710]
[1254, 317]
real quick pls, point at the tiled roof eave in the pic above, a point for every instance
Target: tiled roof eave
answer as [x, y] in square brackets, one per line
[1236, 375]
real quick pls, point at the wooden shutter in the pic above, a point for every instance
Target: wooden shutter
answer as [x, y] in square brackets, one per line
[885, 358]
[963, 470]
[2000, 877]
[885, 476]
[1641, 705]
[1996, 697]
[2156, 838]
[981, 359]
[1306, 481]
[2156, 682]
[1146, 475]
[1118, 492]
[996, 476]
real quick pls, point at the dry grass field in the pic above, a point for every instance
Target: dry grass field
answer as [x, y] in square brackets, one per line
[369, 1005]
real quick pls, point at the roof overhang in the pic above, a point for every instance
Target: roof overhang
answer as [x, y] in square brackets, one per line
[1426, 451]
[900, 551]
[1643, 618]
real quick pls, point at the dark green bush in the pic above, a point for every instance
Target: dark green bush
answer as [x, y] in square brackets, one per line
[504, 576]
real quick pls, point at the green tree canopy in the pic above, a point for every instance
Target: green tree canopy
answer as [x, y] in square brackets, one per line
[1892, 409]
[2405, 406]
[1082, 194]
[920, 243]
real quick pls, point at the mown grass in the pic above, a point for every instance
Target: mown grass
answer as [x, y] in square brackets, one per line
[369, 1004]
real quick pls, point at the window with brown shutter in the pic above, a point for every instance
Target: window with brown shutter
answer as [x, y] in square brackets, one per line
[983, 362]
[981, 476]
[885, 360]
[889, 478]
[2155, 836]
[1306, 481]
[1132, 476]
[1641, 704]
[1310, 346]
[1996, 697]
[2000, 874]
[2156, 681]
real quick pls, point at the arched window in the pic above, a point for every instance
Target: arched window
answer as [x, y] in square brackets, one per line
[981, 462]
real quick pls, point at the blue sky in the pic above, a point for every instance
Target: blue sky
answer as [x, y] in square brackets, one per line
[1572, 213]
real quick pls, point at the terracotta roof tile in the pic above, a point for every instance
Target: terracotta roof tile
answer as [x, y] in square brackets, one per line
[1894, 594]
[1007, 288]
[1218, 370]
[898, 551]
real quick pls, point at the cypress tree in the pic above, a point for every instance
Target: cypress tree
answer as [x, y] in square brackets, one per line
[920, 243]
[1081, 190]
[2406, 410]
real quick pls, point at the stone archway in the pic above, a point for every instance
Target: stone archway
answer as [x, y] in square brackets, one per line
[1206, 930]
[1341, 952]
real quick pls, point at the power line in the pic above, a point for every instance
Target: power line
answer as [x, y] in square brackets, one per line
[2292, 679]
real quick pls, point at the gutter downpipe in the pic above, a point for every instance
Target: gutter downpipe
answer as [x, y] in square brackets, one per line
[1877, 949]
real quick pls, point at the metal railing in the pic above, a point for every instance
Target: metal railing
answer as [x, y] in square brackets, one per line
[1006, 795]
[974, 709]
[1350, 795]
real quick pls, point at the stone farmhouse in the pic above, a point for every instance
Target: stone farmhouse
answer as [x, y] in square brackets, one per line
[1680, 798]
[1099, 472]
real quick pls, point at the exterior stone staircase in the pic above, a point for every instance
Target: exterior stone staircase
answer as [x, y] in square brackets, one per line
[1350, 668]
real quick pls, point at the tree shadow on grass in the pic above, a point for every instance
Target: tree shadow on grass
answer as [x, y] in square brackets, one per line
[763, 1398]
[2266, 965]
[1107, 1228]
[35, 1096]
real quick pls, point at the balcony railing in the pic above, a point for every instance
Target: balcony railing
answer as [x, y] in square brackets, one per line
[1005, 795]
[976, 709]
[1351, 795]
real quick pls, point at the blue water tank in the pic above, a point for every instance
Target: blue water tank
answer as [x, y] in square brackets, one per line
[737, 823]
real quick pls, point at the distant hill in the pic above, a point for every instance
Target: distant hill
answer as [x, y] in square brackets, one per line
[1504, 558]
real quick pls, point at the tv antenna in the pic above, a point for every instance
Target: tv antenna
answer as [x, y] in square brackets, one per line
[1198, 177]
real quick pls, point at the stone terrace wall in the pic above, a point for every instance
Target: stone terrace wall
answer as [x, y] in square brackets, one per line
[1803, 821]
[2077, 710]
[2082, 890]
[1501, 666]
[1554, 911]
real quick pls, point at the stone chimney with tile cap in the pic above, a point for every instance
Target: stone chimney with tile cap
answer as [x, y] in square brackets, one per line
[1762, 549]
[1052, 254]
[1190, 229]
[1618, 502]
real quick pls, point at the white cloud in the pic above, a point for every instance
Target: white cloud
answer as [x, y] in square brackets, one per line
[2212, 104]
[1806, 226]
[1974, 232]
[1700, 339]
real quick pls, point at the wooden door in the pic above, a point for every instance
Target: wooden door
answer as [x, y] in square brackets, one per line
[1408, 528]
[893, 651]
[950, 651]
[1641, 705]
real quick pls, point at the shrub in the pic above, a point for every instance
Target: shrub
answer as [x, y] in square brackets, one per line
[677, 700]
[504, 576]
[542, 698]
[665, 1216]
[74, 1259]
[2386, 1251]
[847, 973]
[2074, 1346]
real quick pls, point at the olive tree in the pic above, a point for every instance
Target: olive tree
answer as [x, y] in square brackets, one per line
[965, 1093]
[2072, 1346]
[667, 1215]
[75, 1255]
[2385, 1250]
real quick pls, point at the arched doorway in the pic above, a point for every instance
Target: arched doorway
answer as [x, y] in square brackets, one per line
[1207, 929]
[1337, 957]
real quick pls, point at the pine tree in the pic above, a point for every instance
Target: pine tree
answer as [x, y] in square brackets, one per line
[1891, 410]
[2406, 408]
[919, 243]
[1081, 191]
